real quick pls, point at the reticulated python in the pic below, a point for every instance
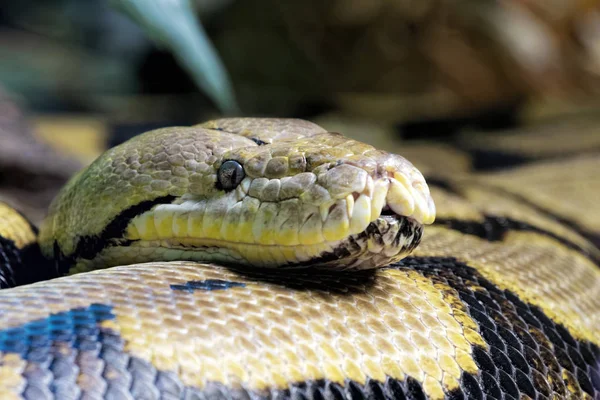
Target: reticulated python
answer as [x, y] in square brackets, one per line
[501, 300]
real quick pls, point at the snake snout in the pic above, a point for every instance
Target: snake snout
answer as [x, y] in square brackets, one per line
[390, 182]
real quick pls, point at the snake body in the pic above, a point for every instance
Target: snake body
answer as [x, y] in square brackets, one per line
[500, 300]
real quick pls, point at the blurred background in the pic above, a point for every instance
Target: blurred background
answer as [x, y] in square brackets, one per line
[456, 86]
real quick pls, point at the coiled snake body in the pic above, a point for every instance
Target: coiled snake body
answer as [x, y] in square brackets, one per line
[499, 301]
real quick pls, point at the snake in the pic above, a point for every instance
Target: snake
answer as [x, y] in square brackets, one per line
[249, 258]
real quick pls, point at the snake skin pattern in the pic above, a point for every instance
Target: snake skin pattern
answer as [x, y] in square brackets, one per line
[304, 196]
[501, 300]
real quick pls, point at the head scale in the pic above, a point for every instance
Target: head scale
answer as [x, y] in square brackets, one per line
[259, 192]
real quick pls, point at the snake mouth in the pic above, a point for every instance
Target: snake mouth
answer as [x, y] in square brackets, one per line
[365, 230]
[389, 238]
[375, 226]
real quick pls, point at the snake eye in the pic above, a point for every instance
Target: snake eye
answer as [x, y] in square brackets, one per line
[230, 174]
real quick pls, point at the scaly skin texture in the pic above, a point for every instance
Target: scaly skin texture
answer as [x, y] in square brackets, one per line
[308, 197]
[501, 300]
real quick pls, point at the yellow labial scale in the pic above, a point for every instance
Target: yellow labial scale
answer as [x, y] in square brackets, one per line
[195, 221]
[212, 221]
[288, 223]
[262, 229]
[146, 227]
[288, 254]
[230, 228]
[131, 232]
[245, 223]
[337, 225]
[300, 254]
[288, 235]
[311, 232]
[163, 221]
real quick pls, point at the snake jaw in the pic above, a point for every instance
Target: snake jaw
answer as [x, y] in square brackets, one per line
[308, 198]
[379, 225]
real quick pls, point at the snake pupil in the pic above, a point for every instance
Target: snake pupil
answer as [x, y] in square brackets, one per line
[230, 175]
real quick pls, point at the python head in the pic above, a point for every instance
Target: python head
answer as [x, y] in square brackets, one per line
[240, 191]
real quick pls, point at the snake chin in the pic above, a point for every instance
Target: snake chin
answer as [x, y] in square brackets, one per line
[388, 239]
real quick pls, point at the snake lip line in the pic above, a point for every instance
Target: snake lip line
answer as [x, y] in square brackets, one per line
[375, 240]
[390, 236]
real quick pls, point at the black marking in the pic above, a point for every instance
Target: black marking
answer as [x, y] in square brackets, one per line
[10, 261]
[448, 186]
[89, 246]
[66, 345]
[207, 285]
[70, 355]
[498, 117]
[494, 229]
[594, 237]
[492, 160]
[23, 266]
[486, 160]
[525, 346]
[258, 141]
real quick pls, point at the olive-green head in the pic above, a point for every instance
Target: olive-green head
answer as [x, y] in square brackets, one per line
[243, 191]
